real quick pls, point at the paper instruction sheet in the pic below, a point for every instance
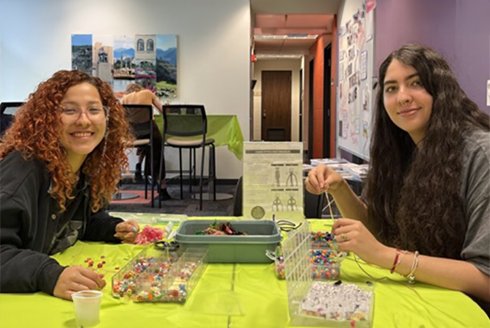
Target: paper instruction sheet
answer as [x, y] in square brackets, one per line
[273, 180]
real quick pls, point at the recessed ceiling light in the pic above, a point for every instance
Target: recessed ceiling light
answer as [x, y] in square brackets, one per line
[284, 56]
[294, 36]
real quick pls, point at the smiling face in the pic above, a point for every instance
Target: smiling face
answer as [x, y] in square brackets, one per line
[83, 123]
[406, 100]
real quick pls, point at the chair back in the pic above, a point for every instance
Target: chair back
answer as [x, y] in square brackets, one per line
[184, 120]
[7, 113]
[140, 119]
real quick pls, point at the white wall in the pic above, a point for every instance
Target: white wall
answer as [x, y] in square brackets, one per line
[213, 48]
[293, 65]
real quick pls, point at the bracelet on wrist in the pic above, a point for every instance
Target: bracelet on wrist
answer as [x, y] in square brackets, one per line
[398, 259]
[411, 275]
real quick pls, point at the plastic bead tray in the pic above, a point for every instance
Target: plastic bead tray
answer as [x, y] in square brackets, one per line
[158, 275]
[317, 303]
[324, 260]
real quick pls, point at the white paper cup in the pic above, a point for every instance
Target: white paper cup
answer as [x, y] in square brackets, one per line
[87, 307]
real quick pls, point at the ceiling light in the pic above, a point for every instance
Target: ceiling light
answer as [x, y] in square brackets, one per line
[291, 56]
[269, 37]
[291, 36]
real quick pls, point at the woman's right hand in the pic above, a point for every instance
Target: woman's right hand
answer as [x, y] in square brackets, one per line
[77, 278]
[323, 178]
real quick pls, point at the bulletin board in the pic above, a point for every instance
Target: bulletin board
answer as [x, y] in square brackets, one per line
[355, 94]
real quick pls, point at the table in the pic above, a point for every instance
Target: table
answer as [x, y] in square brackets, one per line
[238, 296]
[224, 129]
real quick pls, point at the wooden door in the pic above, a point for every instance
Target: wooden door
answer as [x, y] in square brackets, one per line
[276, 105]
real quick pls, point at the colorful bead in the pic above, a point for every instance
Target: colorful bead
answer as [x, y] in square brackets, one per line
[147, 280]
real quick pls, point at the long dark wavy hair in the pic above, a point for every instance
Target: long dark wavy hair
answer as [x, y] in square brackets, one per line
[35, 133]
[413, 194]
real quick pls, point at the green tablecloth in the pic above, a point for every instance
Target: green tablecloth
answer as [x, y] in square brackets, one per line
[258, 299]
[225, 129]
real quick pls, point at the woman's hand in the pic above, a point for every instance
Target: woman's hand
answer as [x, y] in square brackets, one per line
[127, 231]
[353, 236]
[77, 278]
[322, 178]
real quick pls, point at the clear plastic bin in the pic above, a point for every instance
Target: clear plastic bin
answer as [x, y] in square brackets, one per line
[342, 304]
[278, 259]
[157, 275]
[325, 262]
[338, 305]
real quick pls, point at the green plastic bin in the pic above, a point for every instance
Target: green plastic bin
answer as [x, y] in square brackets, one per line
[261, 236]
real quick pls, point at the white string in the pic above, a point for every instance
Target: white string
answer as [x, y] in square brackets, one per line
[329, 204]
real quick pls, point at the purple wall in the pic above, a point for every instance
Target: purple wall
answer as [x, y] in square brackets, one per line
[458, 29]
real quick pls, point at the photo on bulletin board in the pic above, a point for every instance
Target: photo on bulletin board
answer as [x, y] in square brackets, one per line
[103, 57]
[364, 56]
[123, 62]
[166, 66]
[81, 52]
[147, 59]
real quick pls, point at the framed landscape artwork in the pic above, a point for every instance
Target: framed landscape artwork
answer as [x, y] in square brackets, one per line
[147, 59]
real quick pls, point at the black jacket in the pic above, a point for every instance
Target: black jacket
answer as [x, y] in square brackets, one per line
[31, 226]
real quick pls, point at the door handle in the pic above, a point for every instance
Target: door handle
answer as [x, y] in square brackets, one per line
[264, 114]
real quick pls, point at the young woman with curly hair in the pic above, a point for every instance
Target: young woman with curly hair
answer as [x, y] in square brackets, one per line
[60, 162]
[427, 190]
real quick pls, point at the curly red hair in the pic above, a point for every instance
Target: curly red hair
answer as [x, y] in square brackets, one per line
[35, 133]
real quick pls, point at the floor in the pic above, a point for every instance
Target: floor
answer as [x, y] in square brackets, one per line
[187, 205]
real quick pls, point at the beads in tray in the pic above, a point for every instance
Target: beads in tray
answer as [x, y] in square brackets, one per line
[131, 277]
[338, 301]
[154, 288]
[155, 276]
[324, 258]
[325, 264]
[325, 239]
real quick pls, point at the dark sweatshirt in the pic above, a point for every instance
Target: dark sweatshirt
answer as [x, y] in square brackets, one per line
[32, 227]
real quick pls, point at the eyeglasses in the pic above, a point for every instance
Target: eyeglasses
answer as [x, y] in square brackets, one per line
[94, 113]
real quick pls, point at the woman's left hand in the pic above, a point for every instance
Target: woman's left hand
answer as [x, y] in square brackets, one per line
[127, 231]
[353, 236]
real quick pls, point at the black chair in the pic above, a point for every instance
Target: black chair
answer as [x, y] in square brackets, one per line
[185, 127]
[140, 118]
[7, 113]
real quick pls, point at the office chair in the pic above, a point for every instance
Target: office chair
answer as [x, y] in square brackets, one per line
[185, 127]
[7, 113]
[140, 118]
